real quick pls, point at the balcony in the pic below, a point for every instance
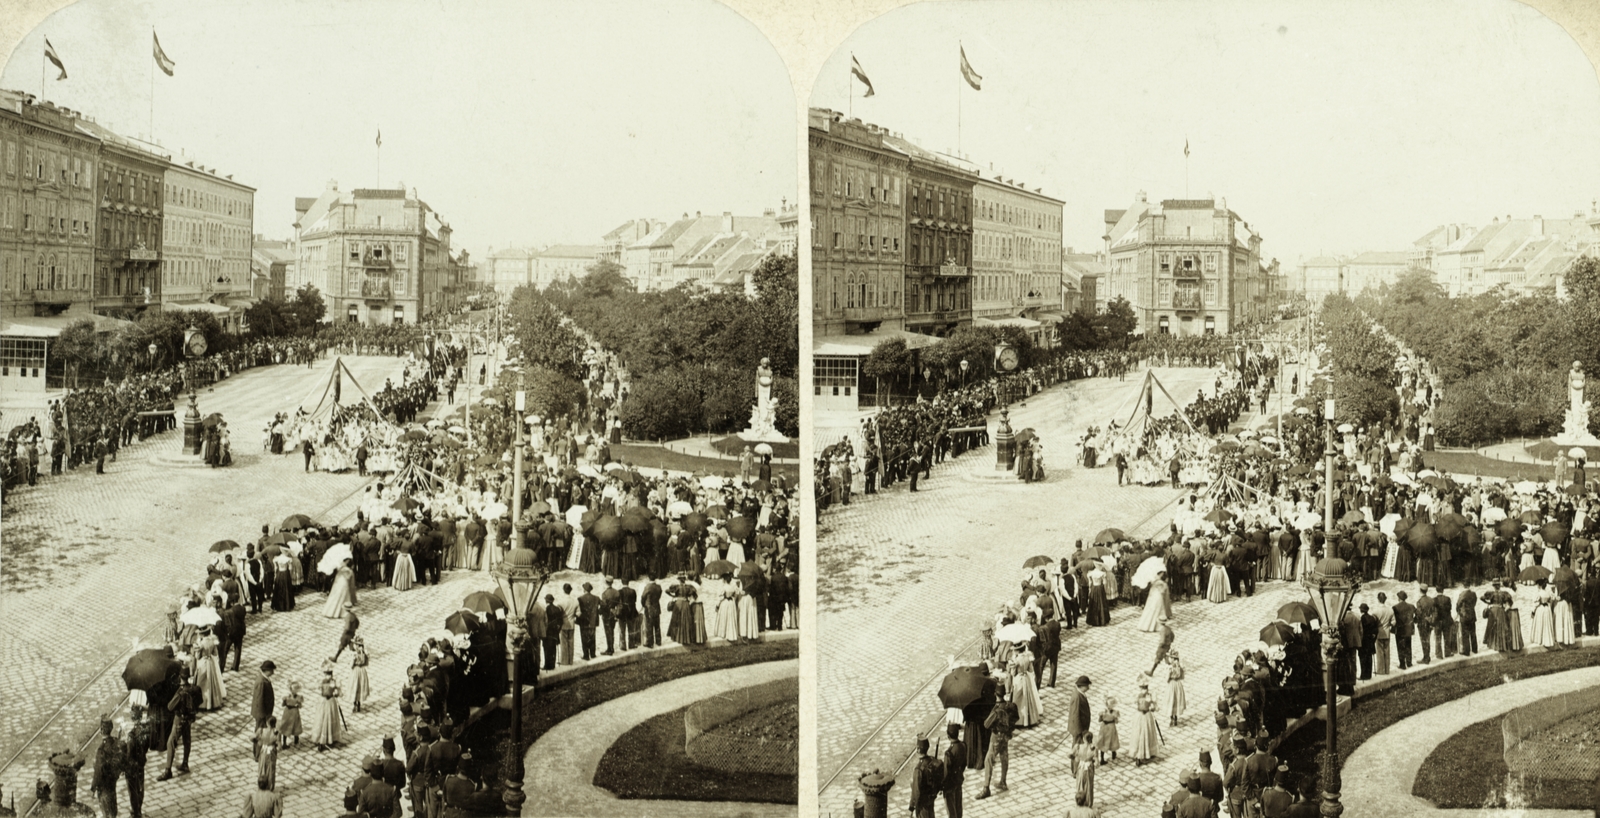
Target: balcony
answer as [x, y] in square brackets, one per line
[376, 289]
[869, 314]
[57, 296]
[138, 254]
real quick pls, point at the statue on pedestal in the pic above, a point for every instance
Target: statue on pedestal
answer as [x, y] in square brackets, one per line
[763, 416]
[1575, 427]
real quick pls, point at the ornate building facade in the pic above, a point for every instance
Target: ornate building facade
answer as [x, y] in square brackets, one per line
[858, 226]
[379, 256]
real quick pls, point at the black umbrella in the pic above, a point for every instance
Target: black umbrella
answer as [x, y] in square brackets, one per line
[295, 522]
[149, 668]
[740, 527]
[483, 602]
[1035, 562]
[1277, 633]
[1219, 515]
[1110, 535]
[760, 485]
[211, 420]
[1533, 573]
[1554, 533]
[962, 687]
[636, 520]
[1298, 613]
[1564, 579]
[717, 568]
[224, 545]
[694, 522]
[608, 530]
[462, 622]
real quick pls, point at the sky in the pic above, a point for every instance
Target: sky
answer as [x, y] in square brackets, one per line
[1330, 127]
[518, 122]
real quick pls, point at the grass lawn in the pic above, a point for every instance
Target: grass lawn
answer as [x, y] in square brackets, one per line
[732, 446]
[1474, 463]
[649, 762]
[489, 738]
[657, 457]
[1303, 750]
[1468, 771]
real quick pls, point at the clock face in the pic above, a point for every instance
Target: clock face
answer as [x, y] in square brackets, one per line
[196, 344]
[1008, 359]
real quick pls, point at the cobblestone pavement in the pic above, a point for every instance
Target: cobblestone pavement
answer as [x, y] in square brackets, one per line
[90, 563]
[562, 763]
[905, 580]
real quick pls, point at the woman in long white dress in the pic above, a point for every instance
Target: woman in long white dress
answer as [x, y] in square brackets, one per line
[728, 613]
[1023, 691]
[1146, 734]
[343, 591]
[1157, 605]
[1544, 623]
[208, 671]
[405, 571]
[330, 719]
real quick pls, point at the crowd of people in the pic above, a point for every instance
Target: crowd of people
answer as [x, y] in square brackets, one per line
[903, 443]
[687, 559]
[1461, 566]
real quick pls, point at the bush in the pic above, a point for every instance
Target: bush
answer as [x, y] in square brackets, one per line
[663, 405]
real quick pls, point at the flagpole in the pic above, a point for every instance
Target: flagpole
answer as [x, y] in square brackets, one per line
[152, 88]
[849, 76]
[959, 80]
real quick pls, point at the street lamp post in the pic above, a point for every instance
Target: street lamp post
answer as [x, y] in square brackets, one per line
[153, 350]
[964, 366]
[1328, 452]
[520, 578]
[1331, 592]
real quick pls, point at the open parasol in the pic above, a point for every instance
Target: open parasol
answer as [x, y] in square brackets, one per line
[1352, 517]
[1277, 633]
[1554, 533]
[200, 617]
[679, 508]
[761, 485]
[1564, 579]
[1109, 535]
[962, 687]
[717, 512]
[224, 545]
[148, 669]
[764, 449]
[741, 527]
[717, 568]
[712, 482]
[1147, 571]
[404, 503]
[1015, 632]
[1095, 551]
[484, 602]
[635, 520]
[1533, 573]
[694, 522]
[462, 622]
[1219, 515]
[1037, 561]
[608, 530]
[333, 557]
[1298, 613]
[295, 522]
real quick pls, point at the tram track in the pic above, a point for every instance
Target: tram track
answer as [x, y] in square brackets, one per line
[931, 686]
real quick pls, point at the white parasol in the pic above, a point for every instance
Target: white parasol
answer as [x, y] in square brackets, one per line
[1308, 519]
[764, 449]
[1147, 571]
[1015, 632]
[615, 466]
[680, 508]
[334, 557]
[1526, 487]
[711, 482]
[494, 511]
[588, 470]
[200, 617]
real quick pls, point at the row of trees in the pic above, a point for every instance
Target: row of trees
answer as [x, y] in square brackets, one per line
[1502, 357]
[1363, 374]
[892, 366]
[692, 355]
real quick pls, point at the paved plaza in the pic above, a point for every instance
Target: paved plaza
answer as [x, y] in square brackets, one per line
[905, 581]
[91, 564]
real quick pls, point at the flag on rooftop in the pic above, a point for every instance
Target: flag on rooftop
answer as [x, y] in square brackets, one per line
[972, 77]
[51, 55]
[163, 62]
[855, 69]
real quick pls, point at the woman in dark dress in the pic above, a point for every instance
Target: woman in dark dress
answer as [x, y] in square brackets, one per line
[1098, 614]
[282, 588]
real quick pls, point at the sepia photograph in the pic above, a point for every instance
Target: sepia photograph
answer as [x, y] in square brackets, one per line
[1199, 411]
[401, 411]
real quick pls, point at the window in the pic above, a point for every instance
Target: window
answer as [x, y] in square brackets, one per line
[834, 377]
[27, 214]
[400, 252]
[1166, 262]
[399, 315]
[355, 251]
[1211, 262]
[1162, 327]
[1211, 293]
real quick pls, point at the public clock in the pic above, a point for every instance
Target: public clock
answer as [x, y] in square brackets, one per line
[195, 343]
[1005, 358]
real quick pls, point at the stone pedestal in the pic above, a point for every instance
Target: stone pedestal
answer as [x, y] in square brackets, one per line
[875, 788]
[1005, 444]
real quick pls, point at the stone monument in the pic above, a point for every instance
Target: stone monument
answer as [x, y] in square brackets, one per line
[1575, 428]
[763, 416]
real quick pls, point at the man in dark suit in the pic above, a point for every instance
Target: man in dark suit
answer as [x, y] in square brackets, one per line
[1444, 624]
[553, 619]
[1425, 619]
[1467, 612]
[650, 602]
[1049, 651]
[262, 701]
[955, 770]
[233, 617]
[777, 597]
[1078, 713]
[352, 623]
[588, 619]
[609, 601]
[1405, 615]
[361, 458]
[628, 619]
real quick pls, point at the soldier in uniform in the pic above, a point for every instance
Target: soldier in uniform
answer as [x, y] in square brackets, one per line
[955, 770]
[182, 706]
[1276, 800]
[137, 747]
[108, 761]
[927, 780]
